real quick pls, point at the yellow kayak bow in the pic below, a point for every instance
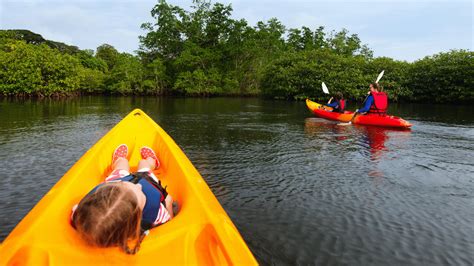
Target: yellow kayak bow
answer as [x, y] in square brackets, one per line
[200, 234]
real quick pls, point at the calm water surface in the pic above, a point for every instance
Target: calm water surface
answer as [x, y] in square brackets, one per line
[300, 189]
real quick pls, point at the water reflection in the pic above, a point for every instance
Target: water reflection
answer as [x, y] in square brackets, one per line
[317, 127]
[372, 141]
[376, 139]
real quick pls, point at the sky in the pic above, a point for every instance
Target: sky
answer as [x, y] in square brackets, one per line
[400, 29]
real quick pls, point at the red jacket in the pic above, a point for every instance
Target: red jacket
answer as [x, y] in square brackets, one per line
[380, 104]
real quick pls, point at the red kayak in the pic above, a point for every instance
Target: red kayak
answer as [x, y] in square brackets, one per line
[369, 119]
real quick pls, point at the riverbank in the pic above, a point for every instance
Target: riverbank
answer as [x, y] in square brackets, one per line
[36, 67]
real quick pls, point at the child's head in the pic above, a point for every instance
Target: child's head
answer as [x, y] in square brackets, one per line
[110, 216]
[374, 87]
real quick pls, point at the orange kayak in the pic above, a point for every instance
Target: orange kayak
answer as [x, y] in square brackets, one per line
[200, 234]
[326, 112]
[368, 119]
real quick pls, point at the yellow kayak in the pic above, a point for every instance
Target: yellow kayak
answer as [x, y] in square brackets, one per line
[201, 233]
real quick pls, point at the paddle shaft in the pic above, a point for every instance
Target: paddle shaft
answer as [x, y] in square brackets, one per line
[353, 117]
[355, 114]
[363, 103]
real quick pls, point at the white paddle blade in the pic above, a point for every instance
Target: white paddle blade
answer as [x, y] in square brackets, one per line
[344, 124]
[325, 89]
[380, 76]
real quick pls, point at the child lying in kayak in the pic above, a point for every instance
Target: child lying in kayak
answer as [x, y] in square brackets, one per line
[125, 206]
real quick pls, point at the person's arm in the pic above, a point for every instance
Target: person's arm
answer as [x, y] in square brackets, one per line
[169, 206]
[333, 104]
[367, 105]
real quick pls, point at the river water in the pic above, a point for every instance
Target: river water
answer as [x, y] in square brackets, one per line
[300, 189]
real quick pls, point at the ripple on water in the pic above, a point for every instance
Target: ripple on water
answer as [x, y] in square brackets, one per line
[301, 190]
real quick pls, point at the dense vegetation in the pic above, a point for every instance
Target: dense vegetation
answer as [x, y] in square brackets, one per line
[203, 51]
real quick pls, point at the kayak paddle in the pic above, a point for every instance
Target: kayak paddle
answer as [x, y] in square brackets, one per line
[325, 88]
[350, 122]
[380, 76]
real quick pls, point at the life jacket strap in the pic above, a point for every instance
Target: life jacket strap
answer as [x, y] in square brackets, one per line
[136, 177]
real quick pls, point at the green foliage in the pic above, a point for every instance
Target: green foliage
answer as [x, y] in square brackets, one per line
[198, 82]
[394, 81]
[203, 51]
[300, 75]
[88, 60]
[38, 70]
[126, 75]
[444, 77]
[165, 35]
[343, 44]
[92, 81]
[207, 43]
[156, 79]
[34, 38]
[108, 54]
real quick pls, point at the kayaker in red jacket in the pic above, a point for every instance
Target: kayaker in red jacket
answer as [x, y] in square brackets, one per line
[338, 103]
[376, 102]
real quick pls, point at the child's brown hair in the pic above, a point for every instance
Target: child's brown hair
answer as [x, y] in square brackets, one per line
[110, 216]
[375, 86]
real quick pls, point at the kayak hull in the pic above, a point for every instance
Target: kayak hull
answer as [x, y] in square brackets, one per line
[326, 112]
[200, 234]
[368, 119]
[381, 120]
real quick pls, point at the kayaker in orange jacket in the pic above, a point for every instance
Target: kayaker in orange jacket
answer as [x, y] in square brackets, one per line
[125, 206]
[376, 102]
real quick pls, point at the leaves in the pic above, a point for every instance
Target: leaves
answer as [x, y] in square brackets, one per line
[444, 77]
[203, 51]
[37, 70]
